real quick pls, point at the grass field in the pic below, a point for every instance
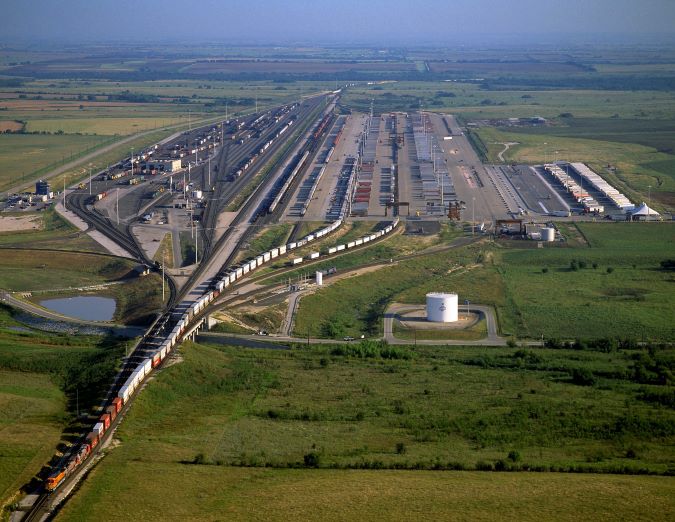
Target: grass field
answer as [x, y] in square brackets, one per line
[634, 300]
[31, 270]
[100, 126]
[23, 154]
[31, 420]
[53, 233]
[240, 411]
[40, 376]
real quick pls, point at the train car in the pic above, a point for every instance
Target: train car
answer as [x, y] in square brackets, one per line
[105, 420]
[292, 245]
[267, 256]
[282, 250]
[156, 359]
[112, 412]
[125, 393]
[118, 403]
[55, 479]
[315, 255]
[351, 244]
[332, 250]
[92, 440]
[340, 247]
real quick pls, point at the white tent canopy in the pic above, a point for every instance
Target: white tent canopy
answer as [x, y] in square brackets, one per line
[644, 210]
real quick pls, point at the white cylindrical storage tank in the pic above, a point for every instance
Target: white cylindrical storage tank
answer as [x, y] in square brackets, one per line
[548, 234]
[319, 278]
[442, 308]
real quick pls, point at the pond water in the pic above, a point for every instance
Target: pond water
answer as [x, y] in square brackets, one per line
[90, 308]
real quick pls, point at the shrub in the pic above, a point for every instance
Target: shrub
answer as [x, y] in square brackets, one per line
[514, 456]
[544, 270]
[610, 269]
[312, 460]
[583, 377]
[400, 448]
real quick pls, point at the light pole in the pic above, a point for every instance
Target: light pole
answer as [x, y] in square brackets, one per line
[473, 215]
[163, 281]
[649, 198]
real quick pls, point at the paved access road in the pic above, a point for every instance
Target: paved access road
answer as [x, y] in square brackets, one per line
[492, 339]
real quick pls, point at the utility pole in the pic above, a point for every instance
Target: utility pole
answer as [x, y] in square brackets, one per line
[64, 194]
[77, 394]
[90, 181]
[209, 169]
[196, 243]
[117, 204]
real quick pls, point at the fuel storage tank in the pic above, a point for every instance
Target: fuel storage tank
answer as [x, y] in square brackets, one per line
[442, 307]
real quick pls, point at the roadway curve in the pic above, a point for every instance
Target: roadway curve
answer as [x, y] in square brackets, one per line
[492, 339]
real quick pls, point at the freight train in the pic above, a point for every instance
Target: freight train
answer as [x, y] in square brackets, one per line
[182, 317]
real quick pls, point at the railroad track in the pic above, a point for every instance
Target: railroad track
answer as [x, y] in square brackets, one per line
[158, 330]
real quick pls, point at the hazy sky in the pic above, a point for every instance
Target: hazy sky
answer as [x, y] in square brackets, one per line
[385, 21]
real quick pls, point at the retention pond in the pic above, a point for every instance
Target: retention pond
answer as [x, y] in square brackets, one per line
[89, 308]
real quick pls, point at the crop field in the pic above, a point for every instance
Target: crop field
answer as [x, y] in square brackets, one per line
[617, 288]
[23, 154]
[39, 376]
[471, 101]
[227, 425]
[100, 126]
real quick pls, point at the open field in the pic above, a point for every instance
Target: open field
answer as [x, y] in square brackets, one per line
[52, 232]
[208, 429]
[23, 154]
[473, 101]
[632, 301]
[100, 126]
[31, 420]
[28, 270]
[204, 493]
[40, 375]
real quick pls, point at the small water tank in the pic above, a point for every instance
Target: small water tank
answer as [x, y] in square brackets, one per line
[319, 278]
[548, 234]
[442, 308]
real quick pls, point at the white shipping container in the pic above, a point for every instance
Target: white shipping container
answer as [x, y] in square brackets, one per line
[340, 247]
[332, 250]
[292, 245]
[274, 253]
[282, 250]
[358, 242]
[98, 428]
[314, 255]
[297, 261]
[351, 244]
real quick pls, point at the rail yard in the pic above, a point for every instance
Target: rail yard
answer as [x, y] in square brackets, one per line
[297, 163]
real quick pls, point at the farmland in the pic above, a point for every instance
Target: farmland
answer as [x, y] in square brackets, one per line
[226, 417]
[21, 155]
